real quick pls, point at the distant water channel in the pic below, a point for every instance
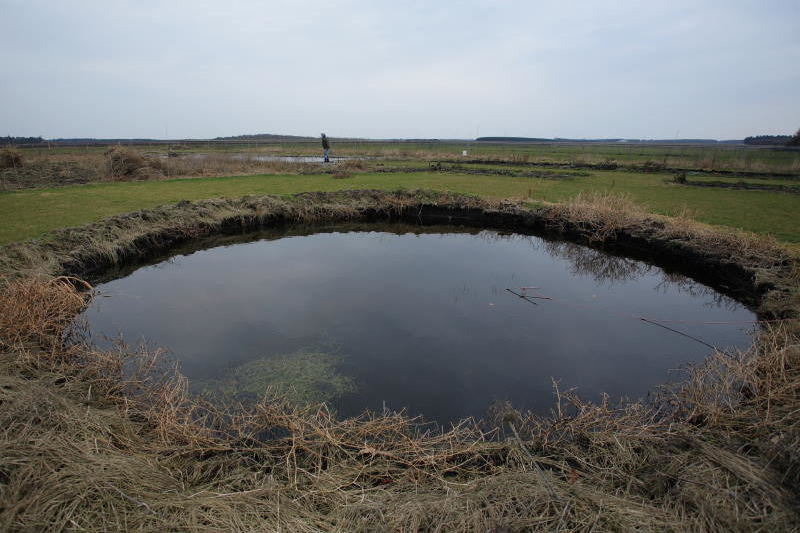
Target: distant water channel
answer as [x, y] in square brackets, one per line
[416, 318]
[280, 158]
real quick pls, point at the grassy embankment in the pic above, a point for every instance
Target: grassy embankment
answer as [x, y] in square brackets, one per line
[30, 213]
[88, 447]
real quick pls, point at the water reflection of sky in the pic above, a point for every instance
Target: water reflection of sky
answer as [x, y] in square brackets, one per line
[425, 320]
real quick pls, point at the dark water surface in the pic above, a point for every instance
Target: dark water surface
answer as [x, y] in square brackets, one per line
[422, 321]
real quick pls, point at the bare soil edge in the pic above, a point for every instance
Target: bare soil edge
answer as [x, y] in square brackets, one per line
[86, 449]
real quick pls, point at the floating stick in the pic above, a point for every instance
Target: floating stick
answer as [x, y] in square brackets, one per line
[681, 333]
[522, 296]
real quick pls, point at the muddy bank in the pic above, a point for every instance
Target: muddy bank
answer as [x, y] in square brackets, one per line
[755, 275]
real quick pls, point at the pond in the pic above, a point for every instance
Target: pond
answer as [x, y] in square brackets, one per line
[439, 321]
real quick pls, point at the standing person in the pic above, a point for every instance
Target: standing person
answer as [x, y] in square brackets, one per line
[326, 147]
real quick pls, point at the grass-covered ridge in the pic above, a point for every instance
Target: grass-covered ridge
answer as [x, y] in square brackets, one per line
[88, 447]
[30, 213]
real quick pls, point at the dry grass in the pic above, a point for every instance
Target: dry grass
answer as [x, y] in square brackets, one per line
[600, 214]
[125, 162]
[36, 311]
[10, 157]
[231, 164]
[352, 165]
[113, 441]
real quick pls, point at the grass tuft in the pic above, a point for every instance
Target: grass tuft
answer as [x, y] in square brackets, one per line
[10, 157]
[602, 214]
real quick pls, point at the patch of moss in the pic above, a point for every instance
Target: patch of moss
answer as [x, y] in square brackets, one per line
[300, 377]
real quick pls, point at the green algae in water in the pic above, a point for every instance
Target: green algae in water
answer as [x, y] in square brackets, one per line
[300, 377]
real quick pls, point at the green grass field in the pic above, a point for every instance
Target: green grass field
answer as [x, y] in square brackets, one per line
[30, 213]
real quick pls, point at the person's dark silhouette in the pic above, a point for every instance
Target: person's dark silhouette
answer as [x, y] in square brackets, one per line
[326, 147]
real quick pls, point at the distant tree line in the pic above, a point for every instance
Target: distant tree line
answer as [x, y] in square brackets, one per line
[768, 140]
[512, 139]
[616, 140]
[794, 141]
[260, 137]
[19, 140]
[92, 140]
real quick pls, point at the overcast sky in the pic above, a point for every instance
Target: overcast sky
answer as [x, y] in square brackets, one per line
[400, 69]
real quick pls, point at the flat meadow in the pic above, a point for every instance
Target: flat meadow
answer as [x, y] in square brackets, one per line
[44, 199]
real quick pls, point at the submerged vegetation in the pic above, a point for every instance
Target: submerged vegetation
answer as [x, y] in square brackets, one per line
[114, 440]
[300, 378]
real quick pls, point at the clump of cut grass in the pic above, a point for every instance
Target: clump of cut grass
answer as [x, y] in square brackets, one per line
[652, 166]
[33, 311]
[123, 161]
[146, 173]
[607, 164]
[11, 157]
[51, 172]
[352, 165]
[601, 214]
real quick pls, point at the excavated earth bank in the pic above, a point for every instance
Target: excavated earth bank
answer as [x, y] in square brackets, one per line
[87, 446]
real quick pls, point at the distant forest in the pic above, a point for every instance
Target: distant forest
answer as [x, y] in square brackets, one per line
[262, 137]
[92, 140]
[19, 140]
[618, 140]
[756, 140]
[768, 140]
